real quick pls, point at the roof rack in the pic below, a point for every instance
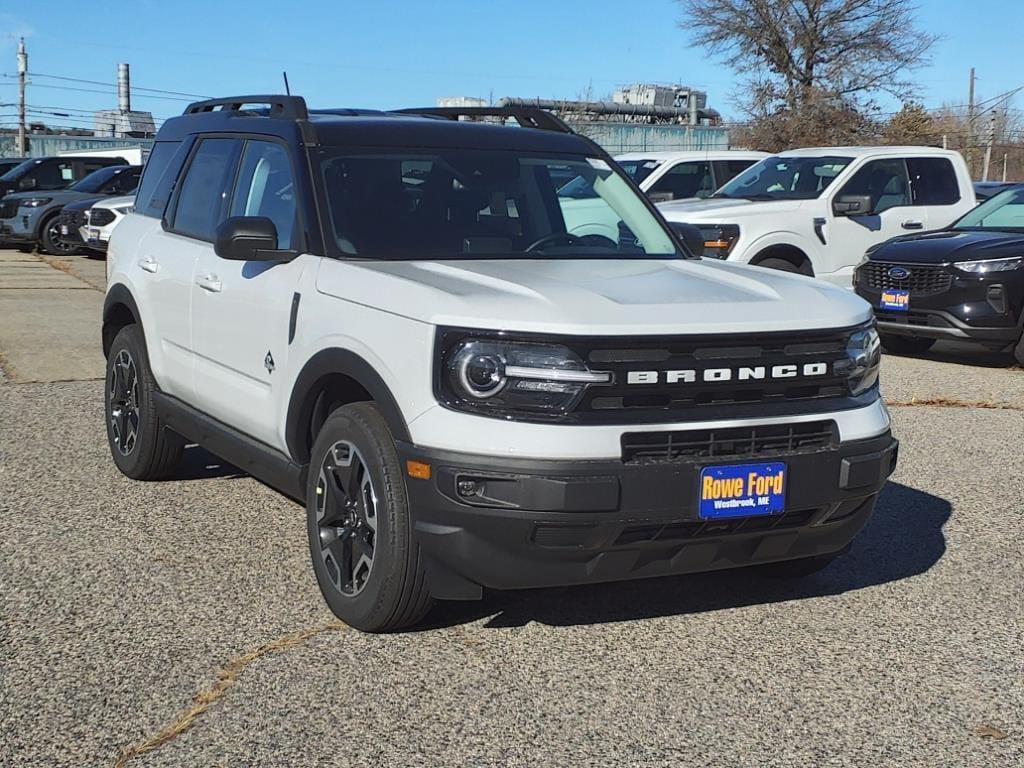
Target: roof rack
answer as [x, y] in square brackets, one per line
[286, 107]
[527, 117]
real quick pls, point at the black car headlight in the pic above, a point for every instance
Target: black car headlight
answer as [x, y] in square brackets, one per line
[502, 377]
[719, 239]
[862, 361]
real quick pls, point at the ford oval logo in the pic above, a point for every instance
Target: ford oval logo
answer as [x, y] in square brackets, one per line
[899, 273]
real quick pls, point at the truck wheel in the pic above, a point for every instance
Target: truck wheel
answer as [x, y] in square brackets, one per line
[780, 264]
[364, 550]
[142, 447]
[906, 345]
[51, 241]
[805, 566]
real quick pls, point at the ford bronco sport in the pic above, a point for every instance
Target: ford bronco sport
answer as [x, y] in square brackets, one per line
[381, 314]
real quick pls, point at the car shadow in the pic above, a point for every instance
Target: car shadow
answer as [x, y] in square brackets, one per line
[961, 353]
[199, 464]
[904, 538]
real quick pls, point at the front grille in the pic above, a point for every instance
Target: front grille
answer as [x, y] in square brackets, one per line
[923, 280]
[695, 529]
[927, 319]
[72, 218]
[763, 441]
[99, 217]
[8, 209]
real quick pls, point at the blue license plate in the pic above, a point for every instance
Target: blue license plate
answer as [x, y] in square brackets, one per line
[895, 299]
[742, 490]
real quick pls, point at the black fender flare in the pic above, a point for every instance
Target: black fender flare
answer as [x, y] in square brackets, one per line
[117, 294]
[337, 361]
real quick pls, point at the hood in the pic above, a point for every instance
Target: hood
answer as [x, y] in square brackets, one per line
[114, 202]
[949, 245]
[85, 204]
[720, 210]
[57, 196]
[610, 297]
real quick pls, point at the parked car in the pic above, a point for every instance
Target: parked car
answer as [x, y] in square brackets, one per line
[983, 190]
[46, 174]
[964, 282]
[8, 163]
[98, 220]
[464, 393]
[661, 175]
[33, 218]
[816, 211]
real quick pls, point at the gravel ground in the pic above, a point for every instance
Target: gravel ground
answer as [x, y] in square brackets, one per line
[122, 600]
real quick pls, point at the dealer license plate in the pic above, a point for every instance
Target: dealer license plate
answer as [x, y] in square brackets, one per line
[742, 490]
[894, 299]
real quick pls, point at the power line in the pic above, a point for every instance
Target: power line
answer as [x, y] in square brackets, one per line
[114, 85]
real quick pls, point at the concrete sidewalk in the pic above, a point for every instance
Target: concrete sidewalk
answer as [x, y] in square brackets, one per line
[49, 321]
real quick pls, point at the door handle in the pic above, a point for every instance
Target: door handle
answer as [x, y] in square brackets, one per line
[912, 224]
[149, 264]
[209, 283]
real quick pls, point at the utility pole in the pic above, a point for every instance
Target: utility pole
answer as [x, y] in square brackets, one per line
[970, 123]
[1004, 166]
[22, 148]
[988, 144]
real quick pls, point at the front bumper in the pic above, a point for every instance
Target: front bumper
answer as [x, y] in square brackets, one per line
[21, 228]
[555, 522]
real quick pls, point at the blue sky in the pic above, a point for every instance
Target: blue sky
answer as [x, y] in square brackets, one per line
[390, 54]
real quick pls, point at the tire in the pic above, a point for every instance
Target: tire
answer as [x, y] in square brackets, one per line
[906, 345]
[1018, 351]
[805, 566]
[782, 265]
[49, 239]
[24, 248]
[142, 448]
[361, 540]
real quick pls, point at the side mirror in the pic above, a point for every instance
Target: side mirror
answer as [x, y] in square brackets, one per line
[690, 235]
[852, 205]
[249, 238]
[27, 183]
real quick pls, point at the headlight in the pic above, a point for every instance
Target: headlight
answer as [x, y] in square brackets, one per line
[503, 377]
[719, 239]
[990, 265]
[34, 202]
[862, 361]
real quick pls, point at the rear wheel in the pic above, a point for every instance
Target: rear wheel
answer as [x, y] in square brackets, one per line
[142, 447]
[906, 345]
[25, 248]
[361, 539]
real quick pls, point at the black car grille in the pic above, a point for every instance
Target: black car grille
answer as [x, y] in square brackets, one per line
[734, 443]
[922, 280]
[99, 217]
[71, 217]
[8, 209]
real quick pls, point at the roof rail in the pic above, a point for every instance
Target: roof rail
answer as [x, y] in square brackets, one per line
[286, 107]
[527, 117]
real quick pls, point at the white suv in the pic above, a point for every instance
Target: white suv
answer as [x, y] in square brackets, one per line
[818, 211]
[384, 316]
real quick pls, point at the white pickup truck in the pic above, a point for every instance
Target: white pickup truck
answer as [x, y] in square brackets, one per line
[817, 211]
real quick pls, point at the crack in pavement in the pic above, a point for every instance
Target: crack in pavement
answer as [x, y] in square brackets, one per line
[224, 681]
[949, 402]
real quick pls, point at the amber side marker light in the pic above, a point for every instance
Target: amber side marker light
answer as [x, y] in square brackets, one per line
[716, 243]
[417, 469]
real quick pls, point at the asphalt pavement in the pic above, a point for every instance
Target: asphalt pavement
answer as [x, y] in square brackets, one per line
[120, 602]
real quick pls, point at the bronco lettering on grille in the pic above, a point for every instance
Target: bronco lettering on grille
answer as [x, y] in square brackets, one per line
[714, 375]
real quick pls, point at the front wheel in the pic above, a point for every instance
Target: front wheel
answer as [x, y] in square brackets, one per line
[782, 265]
[906, 345]
[361, 539]
[51, 239]
[1018, 351]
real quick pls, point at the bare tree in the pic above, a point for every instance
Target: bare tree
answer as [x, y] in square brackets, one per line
[800, 54]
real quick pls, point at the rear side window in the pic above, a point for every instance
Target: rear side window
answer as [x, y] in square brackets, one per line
[685, 180]
[933, 181]
[205, 189]
[53, 174]
[728, 170]
[158, 178]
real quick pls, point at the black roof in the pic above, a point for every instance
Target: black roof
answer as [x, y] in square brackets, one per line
[287, 117]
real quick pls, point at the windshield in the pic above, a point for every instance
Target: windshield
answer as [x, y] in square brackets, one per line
[465, 203]
[1004, 211]
[17, 171]
[96, 180]
[639, 170]
[785, 178]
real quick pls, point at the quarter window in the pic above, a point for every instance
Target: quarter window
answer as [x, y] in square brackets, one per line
[266, 188]
[884, 181]
[204, 190]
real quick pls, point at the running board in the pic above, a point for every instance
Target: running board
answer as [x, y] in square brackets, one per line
[266, 464]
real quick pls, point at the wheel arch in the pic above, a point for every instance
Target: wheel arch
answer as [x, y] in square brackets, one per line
[119, 311]
[795, 255]
[332, 378]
